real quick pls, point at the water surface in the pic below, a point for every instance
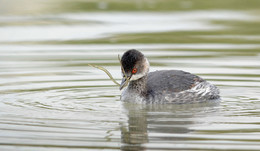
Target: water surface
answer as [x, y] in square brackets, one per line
[50, 99]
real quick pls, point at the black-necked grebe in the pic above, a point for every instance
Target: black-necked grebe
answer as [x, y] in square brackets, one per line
[165, 86]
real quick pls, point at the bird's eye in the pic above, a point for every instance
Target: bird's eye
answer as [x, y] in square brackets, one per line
[134, 70]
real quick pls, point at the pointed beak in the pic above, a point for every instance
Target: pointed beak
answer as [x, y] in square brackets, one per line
[124, 82]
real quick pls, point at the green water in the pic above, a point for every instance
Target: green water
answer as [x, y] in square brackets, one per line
[50, 99]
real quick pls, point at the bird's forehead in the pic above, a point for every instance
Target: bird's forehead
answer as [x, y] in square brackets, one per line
[130, 63]
[131, 59]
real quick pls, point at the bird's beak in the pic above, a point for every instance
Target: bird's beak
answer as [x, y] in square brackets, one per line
[124, 82]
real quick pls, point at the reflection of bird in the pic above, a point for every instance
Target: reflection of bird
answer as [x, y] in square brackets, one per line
[165, 86]
[157, 123]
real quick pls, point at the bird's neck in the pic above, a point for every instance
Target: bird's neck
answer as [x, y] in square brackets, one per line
[139, 86]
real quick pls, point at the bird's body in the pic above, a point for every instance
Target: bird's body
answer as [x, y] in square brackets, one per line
[164, 86]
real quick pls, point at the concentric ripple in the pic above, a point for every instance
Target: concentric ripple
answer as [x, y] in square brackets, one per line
[57, 101]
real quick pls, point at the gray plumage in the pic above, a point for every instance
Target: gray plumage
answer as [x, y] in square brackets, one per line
[165, 86]
[171, 80]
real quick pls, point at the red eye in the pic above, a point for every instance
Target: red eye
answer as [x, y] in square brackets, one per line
[134, 70]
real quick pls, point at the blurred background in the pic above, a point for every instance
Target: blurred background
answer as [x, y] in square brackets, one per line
[138, 21]
[50, 99]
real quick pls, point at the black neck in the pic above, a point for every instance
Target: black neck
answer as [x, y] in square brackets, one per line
[139, 86]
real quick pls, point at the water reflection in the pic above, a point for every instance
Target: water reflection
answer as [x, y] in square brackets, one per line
[161, 123]
[51, 100]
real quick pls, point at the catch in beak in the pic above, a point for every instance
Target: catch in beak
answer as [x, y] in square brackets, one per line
[124, 82]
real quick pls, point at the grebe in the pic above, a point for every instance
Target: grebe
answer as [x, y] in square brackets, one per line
[164, 86]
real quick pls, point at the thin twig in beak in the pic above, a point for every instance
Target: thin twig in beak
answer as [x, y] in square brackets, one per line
[106, 71]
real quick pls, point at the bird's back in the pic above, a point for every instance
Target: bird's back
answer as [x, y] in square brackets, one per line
[179, 86]
[171, 80]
